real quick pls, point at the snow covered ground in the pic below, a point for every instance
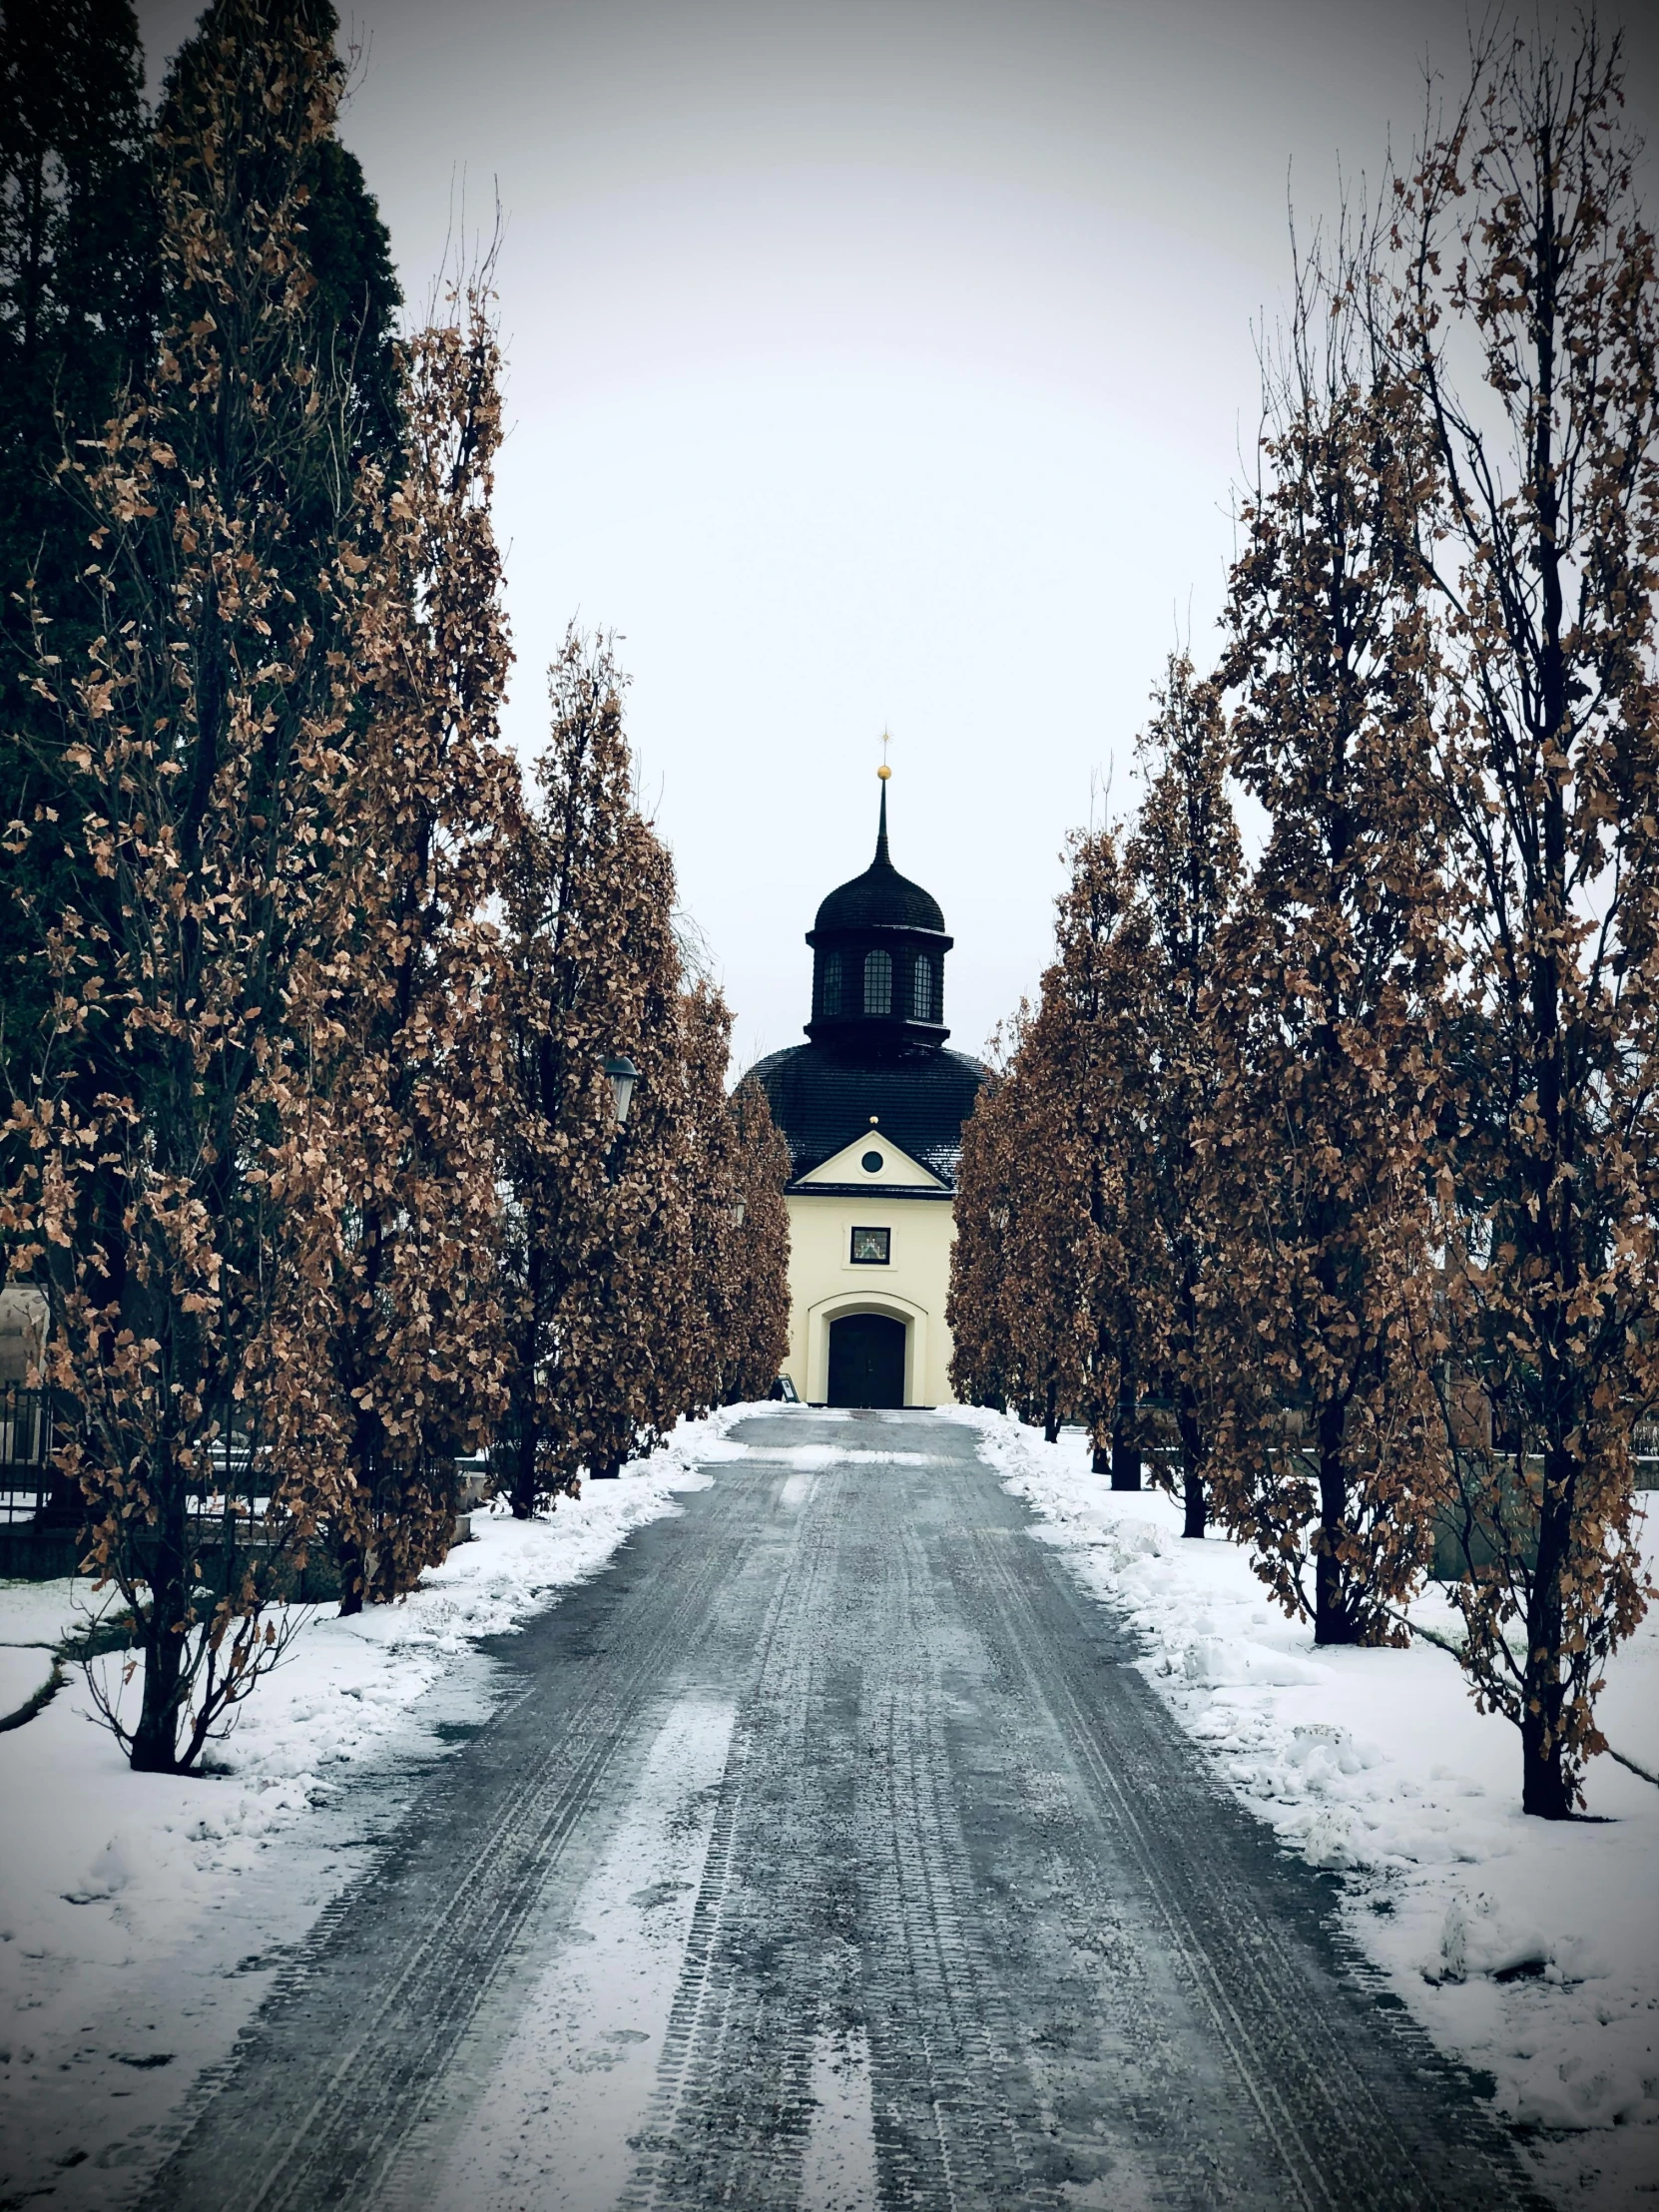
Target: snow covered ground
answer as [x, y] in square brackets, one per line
[1528, 1948]
[142, 1916]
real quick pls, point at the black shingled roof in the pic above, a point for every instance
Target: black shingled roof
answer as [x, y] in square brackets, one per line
[822, 1100]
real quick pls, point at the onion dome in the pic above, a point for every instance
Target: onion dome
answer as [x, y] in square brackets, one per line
[880, 897]
[878, 948]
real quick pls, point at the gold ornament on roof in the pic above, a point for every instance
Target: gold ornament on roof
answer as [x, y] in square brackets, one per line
[883, 771]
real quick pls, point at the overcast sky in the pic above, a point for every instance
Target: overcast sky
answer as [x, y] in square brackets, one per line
[876, 365]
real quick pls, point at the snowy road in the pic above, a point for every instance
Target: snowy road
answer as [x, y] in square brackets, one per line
[831, 1854]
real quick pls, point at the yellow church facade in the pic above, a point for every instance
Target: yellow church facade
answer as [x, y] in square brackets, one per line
[873, 1108]
[871, 1239]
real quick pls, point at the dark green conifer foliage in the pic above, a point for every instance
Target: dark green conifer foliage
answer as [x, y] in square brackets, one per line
[76, 321]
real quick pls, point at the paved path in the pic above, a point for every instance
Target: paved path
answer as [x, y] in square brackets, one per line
[828, 1852]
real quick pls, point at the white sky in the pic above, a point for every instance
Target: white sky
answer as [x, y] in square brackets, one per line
[877, 364]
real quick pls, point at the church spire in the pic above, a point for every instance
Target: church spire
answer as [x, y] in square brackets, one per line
[883, 857]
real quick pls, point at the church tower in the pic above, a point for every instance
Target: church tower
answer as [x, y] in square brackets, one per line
[873, 1108]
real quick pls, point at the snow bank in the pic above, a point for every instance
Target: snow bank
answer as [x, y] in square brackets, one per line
[142, 1916]
[1528, 1948]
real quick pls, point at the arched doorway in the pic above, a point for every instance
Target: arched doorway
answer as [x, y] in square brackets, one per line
[866, 1361]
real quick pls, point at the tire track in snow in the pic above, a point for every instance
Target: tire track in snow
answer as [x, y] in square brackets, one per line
[955, 2108]
[972, 1928]
[355, 2038]
[1336, 2080]
[729, 2122]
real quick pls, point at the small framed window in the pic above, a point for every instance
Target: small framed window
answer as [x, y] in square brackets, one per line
[921, 989]
[832, 982]
[877, 983]
[871, 1248]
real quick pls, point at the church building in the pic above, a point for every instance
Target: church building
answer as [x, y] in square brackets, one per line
[872, 1110]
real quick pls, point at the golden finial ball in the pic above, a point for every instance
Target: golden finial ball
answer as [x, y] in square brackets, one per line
[884, 772]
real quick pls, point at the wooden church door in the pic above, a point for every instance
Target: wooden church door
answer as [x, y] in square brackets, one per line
[866, 1361]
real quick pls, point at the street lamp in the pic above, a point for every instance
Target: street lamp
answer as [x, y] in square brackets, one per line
[624, 1075]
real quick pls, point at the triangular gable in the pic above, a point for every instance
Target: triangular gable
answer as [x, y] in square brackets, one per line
[897, 1172]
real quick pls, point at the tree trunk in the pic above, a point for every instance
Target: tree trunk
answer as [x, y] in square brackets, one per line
[1544, 1788]
[521, 1411]
[1334, 1622]
[1126, 1452]
[155, 1748]
[64, 1505]
[522, 1494]
[1192, 1462]
[1051, 1415]
[348, 1555]
[1101, 1464]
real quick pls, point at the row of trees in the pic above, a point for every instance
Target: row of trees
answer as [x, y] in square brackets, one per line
[311, 1145]
[1335, 1175]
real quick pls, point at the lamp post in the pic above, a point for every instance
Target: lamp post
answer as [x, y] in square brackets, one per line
[624, 1075]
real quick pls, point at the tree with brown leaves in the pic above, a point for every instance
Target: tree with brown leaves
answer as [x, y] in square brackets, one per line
[1053, 1303]
[1092, 1036]
[589, 897]
[752, 1309]
[1186, 860]
[1325, 1005]
[736, 1167]
[416, 1099]
[1013, 1297]
[1528, 332]
[203, 758]
[981, 1370]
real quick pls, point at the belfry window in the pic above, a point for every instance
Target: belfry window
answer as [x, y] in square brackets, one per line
[877, 983]
[921, 989]
[831, 983]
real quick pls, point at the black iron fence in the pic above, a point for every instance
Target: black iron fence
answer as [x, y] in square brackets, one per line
[25, 1452]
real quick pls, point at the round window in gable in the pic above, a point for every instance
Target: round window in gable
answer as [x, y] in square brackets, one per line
[872, 1163]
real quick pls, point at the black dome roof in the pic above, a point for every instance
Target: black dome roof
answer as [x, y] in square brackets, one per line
[821, 1100]
[880, 897]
